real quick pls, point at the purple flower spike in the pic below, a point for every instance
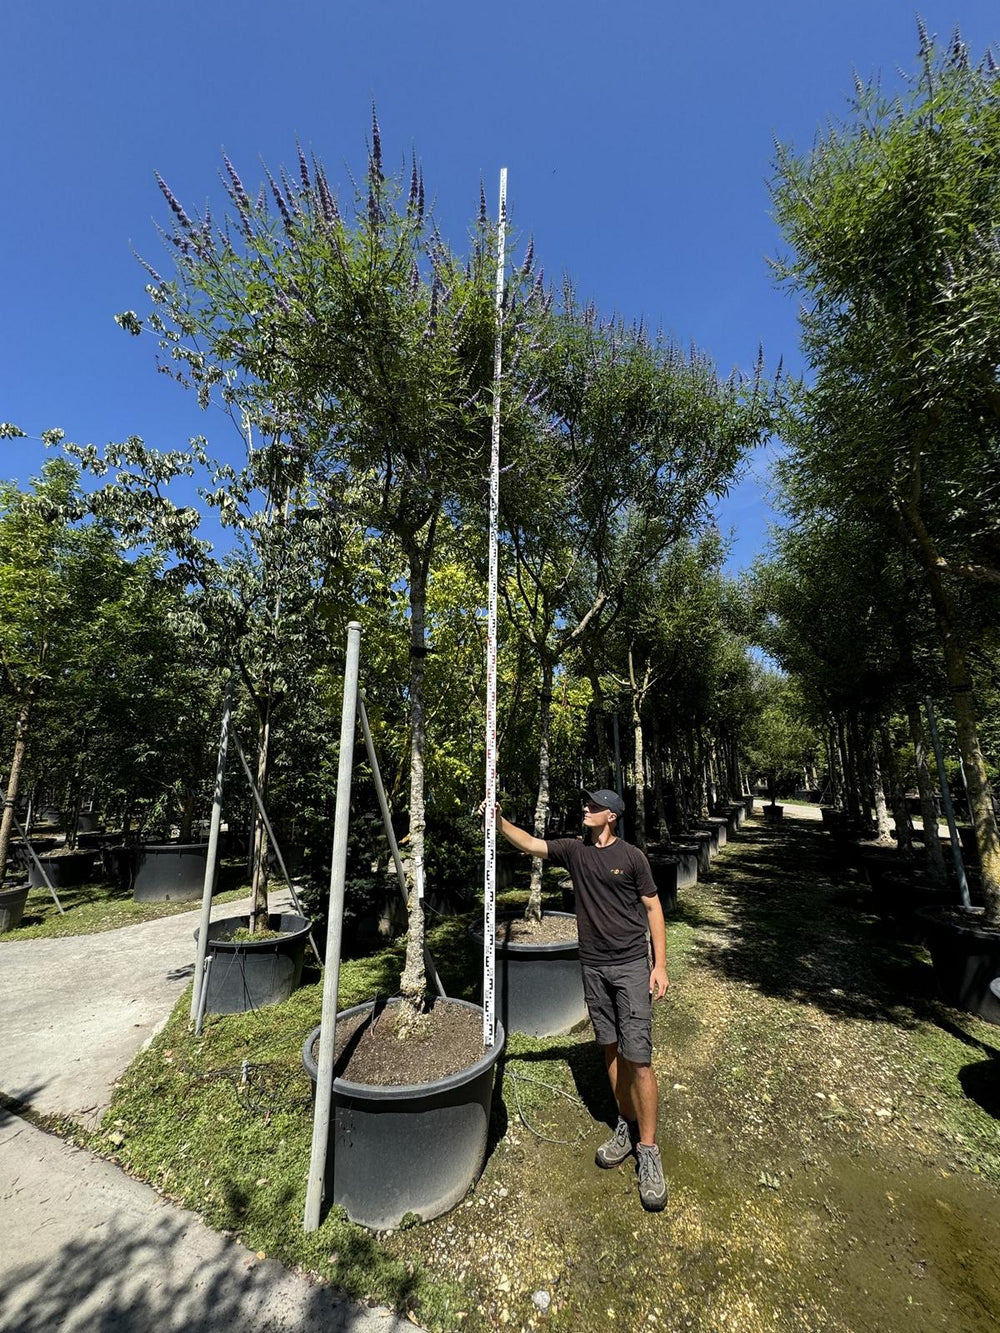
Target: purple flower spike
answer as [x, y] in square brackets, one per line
[303, 170]
[529, 258]
[279, 199]
[376, 147]
[179, 213]
[326, 199]
[242, 200]
[411, 202]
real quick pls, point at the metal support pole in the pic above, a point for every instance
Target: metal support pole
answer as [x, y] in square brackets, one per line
[272, 840]
[331, 975]
[23, 835]
[949, 809]
[212, 857]
[202, 996]
[432, 971]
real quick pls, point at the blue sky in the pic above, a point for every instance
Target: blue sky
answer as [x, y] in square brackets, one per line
[638, 137]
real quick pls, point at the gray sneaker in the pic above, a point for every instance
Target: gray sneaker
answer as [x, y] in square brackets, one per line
[652, 1186]
[618, 1147]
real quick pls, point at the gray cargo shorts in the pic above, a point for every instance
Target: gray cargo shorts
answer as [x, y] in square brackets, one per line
[621, 1007]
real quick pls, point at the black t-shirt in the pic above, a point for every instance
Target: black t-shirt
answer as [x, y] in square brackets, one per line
[609, 884]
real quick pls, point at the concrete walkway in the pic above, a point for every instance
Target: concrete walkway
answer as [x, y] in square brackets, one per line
[87, 1247]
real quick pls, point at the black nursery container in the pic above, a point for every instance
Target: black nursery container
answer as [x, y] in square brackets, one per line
[410, 1150]
[250, 973]
[163, 871]
[966, 960]
[539, 987]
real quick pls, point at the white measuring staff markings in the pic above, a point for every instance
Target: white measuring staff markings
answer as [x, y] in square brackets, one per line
[490, 856]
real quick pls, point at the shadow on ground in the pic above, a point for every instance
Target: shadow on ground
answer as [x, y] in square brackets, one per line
[801, 928]
[118, 1282]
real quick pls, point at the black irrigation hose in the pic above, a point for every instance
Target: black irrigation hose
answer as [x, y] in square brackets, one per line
[551, 1087]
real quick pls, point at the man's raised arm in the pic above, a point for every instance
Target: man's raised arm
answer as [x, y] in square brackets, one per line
[520, 838]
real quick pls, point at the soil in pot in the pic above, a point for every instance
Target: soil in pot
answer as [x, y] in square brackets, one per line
[554, 928]
[371, 1049]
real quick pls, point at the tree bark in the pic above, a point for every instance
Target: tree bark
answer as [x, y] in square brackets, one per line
[933, 854]
[963, 706]
[14, 780]
[662, 827]
[413, 985]
[852, 784]
[258, 857]
[605, 762]
[901, 813]
[882, 827]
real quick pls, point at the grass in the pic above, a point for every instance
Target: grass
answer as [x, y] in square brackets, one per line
[92, 908]
[829, 1132]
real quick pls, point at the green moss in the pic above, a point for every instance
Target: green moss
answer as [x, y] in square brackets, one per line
[90, 909]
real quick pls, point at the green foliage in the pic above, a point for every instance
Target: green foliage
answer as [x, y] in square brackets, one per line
[778, 742]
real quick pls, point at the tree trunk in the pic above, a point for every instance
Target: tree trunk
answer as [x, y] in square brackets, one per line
[604, 760]
[258, 859]
[901, 813]
[413, 985]
[882, 827]
[639, 833]
[852, 789]
[662, 827]
[963, 706]
[187, 816]
[14, 781]
[933, 854]
[533, 911]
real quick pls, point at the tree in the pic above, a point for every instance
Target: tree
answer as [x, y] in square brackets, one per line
[59, 582]
[778, 741]
[892, 219]
[362, 348]
[638, 437]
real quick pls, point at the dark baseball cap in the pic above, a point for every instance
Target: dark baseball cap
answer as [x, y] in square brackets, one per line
[610, 800]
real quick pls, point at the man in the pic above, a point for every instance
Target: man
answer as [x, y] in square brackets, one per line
[616, 905]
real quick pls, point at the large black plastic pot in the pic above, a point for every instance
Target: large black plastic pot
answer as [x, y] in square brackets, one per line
[899, 901]
[539, 987]
[688, 856]
[65, 871]
[717, 828]
[664, 869]
[165, 871]
[12, 907]
[414, 1149]
[966, 959]
[705, 845]
[247, 974]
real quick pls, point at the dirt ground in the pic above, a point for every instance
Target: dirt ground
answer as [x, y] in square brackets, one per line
[829, 1132]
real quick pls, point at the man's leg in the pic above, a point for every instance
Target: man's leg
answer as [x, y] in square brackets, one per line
[619, 1078]
[644, 1097]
